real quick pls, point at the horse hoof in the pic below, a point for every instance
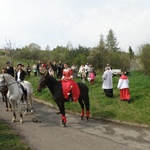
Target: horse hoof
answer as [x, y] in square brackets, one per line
[25, 112]
[31, 111]
[63, 124]
[13, 120]
[7, 109]
[21, 121]
[81, 118]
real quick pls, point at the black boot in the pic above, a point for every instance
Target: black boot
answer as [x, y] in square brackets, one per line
[24, 92]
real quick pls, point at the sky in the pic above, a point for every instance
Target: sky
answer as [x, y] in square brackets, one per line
[79, 22]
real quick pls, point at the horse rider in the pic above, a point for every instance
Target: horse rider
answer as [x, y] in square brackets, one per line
[9, 69]
[70, 88]
[20, 76]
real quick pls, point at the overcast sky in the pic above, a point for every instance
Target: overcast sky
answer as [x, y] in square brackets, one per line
[57, 22]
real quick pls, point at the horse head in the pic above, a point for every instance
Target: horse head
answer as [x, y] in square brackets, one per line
[42, 81]
[2, 81]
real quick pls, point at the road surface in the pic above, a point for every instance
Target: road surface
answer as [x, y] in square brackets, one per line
[42, 131]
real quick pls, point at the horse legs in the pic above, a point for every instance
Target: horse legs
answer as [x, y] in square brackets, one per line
[31, 103]
[5, 99]
[7, 103]
[82, 107]
[13, 110]
[62, 111]
[26, 106]
[87, 105]
[20, 112]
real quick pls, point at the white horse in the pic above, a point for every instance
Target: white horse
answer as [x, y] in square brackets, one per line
[15, 94]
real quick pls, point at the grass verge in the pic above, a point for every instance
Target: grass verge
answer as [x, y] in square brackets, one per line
[9, 139]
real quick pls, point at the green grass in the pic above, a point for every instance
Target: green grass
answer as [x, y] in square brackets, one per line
[10, 140]
[112, 108]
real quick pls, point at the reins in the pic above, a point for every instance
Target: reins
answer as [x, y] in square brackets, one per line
[7, 82]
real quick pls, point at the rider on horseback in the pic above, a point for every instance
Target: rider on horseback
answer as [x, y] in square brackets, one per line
[70, 88]
[20, 76]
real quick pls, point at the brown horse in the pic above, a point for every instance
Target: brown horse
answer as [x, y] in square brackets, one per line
[4, 91]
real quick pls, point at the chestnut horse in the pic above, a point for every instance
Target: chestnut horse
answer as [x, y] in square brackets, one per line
[55, 88]
[4, 91]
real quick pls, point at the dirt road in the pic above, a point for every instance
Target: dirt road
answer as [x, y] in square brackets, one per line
[45, 133]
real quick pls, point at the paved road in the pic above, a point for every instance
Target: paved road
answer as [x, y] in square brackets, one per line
[47, 134]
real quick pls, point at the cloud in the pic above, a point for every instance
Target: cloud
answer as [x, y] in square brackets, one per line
[81, 22]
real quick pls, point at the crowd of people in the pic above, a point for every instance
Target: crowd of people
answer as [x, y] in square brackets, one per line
[63, 72]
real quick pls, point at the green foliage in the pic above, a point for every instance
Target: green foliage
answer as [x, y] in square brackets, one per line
[2, 53]
[131, 53]
[111, 41]
[145, 57]
[99, 57]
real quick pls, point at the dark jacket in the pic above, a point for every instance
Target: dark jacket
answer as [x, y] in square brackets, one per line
[10, 71]
[22, 75]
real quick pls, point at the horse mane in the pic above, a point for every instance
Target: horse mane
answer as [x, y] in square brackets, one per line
[6, 74]
[52, 79]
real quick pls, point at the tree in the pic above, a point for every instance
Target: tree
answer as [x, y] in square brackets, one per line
[69, 46]
[131, 53]
[145, 57]
[47, 48]
[102, 41]
[9, 47]
[111, 42]
[34, 46]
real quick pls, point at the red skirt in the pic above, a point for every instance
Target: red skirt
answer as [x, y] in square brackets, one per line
[124, 94]
[70, 85]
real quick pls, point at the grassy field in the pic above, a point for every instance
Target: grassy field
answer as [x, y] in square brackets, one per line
[112, 108]
[9, 139]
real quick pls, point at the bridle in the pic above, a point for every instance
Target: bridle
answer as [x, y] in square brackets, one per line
[5, 81]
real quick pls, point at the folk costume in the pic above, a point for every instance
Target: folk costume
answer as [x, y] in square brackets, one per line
[107, 85]
[123, 85]
[69, 86]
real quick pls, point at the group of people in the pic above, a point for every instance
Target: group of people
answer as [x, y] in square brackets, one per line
[66, 74]
[87, 72]
[18, 73]
[123, 84]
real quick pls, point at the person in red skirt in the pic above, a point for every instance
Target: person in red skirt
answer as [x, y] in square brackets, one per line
[70, 88]
[123, 85]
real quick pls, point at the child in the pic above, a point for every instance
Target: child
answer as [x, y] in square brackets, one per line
[123, 85]
[92, 77]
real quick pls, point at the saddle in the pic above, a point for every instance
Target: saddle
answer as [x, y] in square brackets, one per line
[24, 96]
